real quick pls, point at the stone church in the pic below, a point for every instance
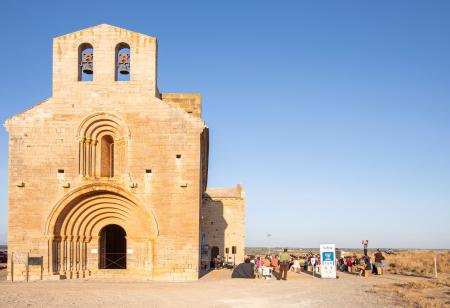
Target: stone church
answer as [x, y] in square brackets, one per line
[108, 176]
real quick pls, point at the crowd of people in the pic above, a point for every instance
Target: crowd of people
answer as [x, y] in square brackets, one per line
[264, 267]
[279, 265]
[363, 265]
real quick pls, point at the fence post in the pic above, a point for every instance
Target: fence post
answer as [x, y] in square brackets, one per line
[435, 266]
[42, 267]
[28, 266]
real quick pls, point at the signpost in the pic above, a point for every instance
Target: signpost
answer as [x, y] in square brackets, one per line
[328, 261]
[39, 261]
[27, 261]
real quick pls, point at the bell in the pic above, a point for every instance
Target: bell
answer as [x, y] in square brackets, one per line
[124, 64]
[123, 69]
[88, 68]
[87, 63]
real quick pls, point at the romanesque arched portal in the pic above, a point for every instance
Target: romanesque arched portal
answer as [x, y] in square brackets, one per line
[76, 222]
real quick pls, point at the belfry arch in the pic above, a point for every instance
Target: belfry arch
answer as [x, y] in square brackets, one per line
[75, 225]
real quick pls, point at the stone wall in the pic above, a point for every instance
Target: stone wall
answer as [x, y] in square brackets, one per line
[191, 103]
[160, 164]
[60, 197]
[223, 220]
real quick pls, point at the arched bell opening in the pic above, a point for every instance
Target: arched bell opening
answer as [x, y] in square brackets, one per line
[85, 62]
[122, 61]
[112, 247]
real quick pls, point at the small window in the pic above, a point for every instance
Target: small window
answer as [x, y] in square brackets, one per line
[60, 170]
[148, 171]
[178, 156]
[122, 62]
[85, 62]
[107, 156]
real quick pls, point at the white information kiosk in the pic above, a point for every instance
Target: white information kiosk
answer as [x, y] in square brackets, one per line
[328, 261]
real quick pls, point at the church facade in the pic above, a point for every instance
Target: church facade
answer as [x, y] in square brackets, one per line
[108, 176]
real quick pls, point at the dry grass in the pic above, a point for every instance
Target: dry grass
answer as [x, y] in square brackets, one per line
[421, 292]
[419, 263]
[424, 293]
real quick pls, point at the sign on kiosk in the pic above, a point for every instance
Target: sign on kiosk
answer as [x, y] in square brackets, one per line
[328, 261]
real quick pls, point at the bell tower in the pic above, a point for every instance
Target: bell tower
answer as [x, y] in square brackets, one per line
[103, 58]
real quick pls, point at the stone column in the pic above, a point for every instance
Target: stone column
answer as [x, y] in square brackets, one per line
[77, 256]
[94, 158]
[63, 268]
[84, 156]
[88, 157]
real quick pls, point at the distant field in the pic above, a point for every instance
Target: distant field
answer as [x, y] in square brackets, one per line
[419, 262]
[295, 250]
[412, 262]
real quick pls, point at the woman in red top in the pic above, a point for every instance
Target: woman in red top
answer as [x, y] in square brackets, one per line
[349, 263]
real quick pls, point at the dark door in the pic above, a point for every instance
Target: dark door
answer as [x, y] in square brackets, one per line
[113, 248]
[214, 254]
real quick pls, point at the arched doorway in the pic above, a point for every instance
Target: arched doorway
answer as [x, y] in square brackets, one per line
[113, 247]
[214, 255]
[76, 223]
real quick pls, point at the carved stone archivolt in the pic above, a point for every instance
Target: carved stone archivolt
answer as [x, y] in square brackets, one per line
[76, 220]
[90, 134]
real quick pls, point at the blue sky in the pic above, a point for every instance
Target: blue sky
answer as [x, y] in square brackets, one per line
[335, 115]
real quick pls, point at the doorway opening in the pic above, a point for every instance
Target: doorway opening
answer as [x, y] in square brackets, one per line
[214, 255]
[113, 247]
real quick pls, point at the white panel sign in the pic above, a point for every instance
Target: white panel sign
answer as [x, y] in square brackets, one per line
[94, 250]
[130, 251]
[328, 261]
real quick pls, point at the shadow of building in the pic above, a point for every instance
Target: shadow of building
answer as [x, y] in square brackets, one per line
[222, 225]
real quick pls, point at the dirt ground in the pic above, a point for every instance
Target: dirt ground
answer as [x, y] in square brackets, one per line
[215, 289]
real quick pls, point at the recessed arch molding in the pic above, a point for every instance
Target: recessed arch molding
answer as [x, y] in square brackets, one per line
[77, 219]
[90, 132]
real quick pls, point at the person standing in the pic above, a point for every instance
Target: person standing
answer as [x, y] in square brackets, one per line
[295, 265]
[302, 263]
[259, 265]
[275, 263]
[285, 258]
[267, 261]
[379, 262]
[349, 264]
[365, 244]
